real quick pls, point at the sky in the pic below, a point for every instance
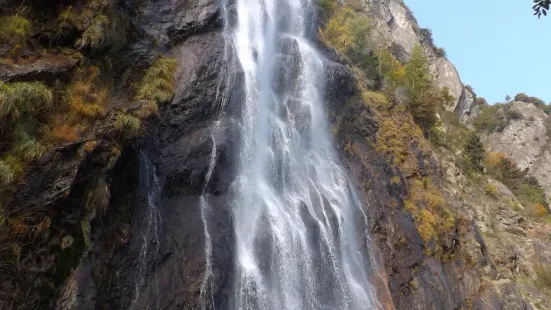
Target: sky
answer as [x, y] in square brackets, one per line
[498, 46]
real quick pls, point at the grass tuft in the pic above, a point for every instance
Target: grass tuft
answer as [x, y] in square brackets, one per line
[14, 29]
[85, 96]
[127, 126]
[17, 99]
[158, 82]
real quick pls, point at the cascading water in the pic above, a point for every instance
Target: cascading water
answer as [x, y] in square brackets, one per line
[150, 233]
[299, 228]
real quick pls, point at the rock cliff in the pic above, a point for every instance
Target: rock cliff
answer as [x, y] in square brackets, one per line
[397, 23]
[525, 139]
[145, 247]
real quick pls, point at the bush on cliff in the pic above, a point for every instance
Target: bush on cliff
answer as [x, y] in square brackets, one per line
[22, 105]
[14, 29]
[423, 98]
[100, 25]
[473, 153]
[21, 99]
[526, 188]
[349, 32]
[491, 118]
[158, 83]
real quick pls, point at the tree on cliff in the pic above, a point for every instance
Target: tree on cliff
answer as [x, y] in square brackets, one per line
[474, 153]
[423, 97]
[541, 7]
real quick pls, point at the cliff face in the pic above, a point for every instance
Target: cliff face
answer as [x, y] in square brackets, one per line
[396, 22]
[525, 139]
[146, 249]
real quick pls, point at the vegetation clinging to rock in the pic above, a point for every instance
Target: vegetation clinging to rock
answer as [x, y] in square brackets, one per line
[491, 118]
[14, 29]
[526, 188]
[21, 98]
[101, 28]
[127, 126]
[473, 155]
[158, 83]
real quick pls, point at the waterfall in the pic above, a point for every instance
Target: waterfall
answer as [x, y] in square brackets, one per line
[299, 227]
[206, 295]
[150, 232]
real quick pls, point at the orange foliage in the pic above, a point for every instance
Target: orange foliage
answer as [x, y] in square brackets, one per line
[18, 226]
[494, 158]
[66, 132]
[539, 210]
[85, 97]
[89, 146]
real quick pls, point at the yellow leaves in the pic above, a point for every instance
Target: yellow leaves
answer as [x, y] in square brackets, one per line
[66, 132]
[86, 98]
[127, 126]
[428, 207]
[89, 146]
[14, 29]
[348, 31]
[158, 82]
[427, 224]
[491, 190]
[391, 69]
[395, 180]
[493, 159]
[375, 99]
[536, 210]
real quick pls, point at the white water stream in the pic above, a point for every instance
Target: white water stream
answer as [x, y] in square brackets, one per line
[299, 228]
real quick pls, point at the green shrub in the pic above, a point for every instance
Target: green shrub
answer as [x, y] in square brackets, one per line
[544, 276]
[7, 175]
[328, 6]
[529, 99]
[447, 98]
[95, 34]
[473, 153]
[530, 190]
[158, 81]
[392, 71]
[349, 32]
[491, 190]
[490, 119]
[418, 76]
[10, 168]
[522, 97]
[26, 146]
[526, 188]
[20, 98]
[481, 101]
[440, 52]
[513, 114]
[127, 126]
[426, 33]
[423, 98]
[14, 29]
[102, 26]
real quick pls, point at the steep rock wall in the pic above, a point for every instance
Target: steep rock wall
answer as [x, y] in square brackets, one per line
[397, 23]
[525, 140]
[137, 263]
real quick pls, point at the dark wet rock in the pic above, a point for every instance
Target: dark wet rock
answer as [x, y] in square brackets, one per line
[52, 178]
[46, 66]
[78, 291]
[171, 22]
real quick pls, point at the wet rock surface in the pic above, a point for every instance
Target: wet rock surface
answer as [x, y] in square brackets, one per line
[147, 249]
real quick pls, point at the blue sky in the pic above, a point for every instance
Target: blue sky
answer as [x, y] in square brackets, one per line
[494, 44]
